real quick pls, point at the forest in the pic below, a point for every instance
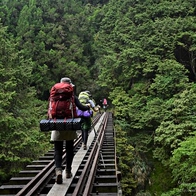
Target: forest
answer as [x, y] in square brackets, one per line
[139, 54]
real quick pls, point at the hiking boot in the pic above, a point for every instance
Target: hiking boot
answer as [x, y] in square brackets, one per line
[84, 146]
[68, 174]
[59, 179]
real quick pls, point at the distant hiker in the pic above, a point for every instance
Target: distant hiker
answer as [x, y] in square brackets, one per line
[62, 104]
[105, 104]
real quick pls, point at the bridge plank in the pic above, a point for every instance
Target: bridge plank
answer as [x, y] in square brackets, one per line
[61, 189]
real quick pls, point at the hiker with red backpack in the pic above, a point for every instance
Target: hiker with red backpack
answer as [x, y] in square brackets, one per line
[62, 104]
[105, 104]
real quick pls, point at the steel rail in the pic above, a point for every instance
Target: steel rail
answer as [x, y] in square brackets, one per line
[31, 187]
[93, 156]
[41, 178]
[91, 177]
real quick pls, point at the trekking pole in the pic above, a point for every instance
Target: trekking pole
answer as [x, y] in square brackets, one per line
[98, 145]
[99, 111]
[96, 133]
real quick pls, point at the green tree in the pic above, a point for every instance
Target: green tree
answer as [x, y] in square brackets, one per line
[183, 166]
[20, 111]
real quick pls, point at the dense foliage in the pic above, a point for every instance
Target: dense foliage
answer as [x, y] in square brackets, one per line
[139, 54]
[20, 142]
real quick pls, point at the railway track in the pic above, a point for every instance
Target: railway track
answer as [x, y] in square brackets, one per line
[94, 172]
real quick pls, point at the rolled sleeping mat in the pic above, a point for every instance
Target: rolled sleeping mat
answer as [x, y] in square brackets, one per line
[60, 124]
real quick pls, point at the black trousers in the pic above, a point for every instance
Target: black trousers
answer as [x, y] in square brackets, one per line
[58, 147]
[85, 127]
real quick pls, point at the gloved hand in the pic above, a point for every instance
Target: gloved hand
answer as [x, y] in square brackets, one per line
[97, 108]
[89, 105]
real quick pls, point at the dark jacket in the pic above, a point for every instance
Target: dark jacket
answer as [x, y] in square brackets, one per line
[79, 105]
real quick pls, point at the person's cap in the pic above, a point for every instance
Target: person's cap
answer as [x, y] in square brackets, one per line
[67, 80]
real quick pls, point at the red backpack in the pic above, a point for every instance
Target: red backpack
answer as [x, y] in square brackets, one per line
[61, 101]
